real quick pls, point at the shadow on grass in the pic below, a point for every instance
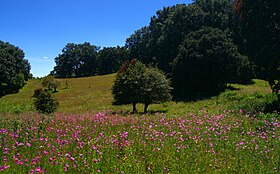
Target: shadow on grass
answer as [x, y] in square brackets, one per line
[4, 90]
[127, 112]
[192, 97]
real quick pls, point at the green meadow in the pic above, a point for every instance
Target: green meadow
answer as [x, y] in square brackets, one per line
[93, 94]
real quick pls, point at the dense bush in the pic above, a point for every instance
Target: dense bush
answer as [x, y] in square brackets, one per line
[44, 102]
[256, 103]
[206, 61]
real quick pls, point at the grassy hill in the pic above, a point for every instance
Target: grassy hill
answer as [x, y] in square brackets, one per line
[93, 94]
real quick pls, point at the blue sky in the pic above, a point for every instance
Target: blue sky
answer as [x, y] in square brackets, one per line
[43, 28]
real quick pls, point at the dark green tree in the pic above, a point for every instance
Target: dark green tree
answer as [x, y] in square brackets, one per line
[206, 61]
[127, 88]
[260, 26]
[110, 59]
[76, 60]
[14, 69]
[44, 102]
[137, 45]
[158, 43]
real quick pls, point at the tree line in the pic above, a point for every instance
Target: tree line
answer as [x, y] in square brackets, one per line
[82, 60]
[201, 47]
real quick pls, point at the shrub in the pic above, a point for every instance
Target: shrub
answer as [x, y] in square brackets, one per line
[260, 103]
[44, 102]
[50, 83]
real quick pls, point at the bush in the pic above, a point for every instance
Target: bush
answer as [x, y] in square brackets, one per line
[50, 83]
[260, 103]
[44, 102]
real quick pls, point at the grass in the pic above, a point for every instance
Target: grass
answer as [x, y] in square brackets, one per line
[93, 94]
[154, 143]
[90, 135]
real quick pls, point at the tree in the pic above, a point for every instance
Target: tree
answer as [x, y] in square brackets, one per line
[14, 69]
[76, 60]
[47, 82]
[127, 88]
[260, 26]
[110, 59]
[137, 45]
[50, 83]
[206, 61]
[136, 83]
[44, 102]
[158, 43]
[156, 87]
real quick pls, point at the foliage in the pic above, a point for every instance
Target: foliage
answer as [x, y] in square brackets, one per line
[14, 69]
[206, 61]
[76, 60]
[110, 59]
[257, 103]
[136, 83]
[47, 82]
[260, 21]
[159, 42]
[50, 83]
[127, 88]
[44, 102]
[156, 88]
[82, 60]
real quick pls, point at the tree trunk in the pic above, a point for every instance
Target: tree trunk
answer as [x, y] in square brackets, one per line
[134, 107]
[146, 107]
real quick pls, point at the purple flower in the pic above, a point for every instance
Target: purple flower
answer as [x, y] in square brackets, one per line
[3, 168]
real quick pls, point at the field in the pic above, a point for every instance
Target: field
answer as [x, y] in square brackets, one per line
[90, 135]
[93, 94]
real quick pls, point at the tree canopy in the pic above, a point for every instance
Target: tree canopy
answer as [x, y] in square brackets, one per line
[206, 61]
[137, 83]
[14, 69]
[76, 60]
[260, 27]
[159, 42]
[81, 60]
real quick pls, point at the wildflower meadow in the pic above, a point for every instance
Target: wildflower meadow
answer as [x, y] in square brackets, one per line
[107, 142]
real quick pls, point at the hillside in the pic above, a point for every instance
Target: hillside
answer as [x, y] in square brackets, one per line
[93, 94]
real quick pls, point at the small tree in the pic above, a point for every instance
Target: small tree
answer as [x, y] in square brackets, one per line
[136, 83]
[156, 88]
[50, 83]
[44, 102]
[47, 82]
[55, 85]
[127, 87]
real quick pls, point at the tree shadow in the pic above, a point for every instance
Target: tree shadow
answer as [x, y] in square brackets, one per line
[197, 97]
[128, 112]
[11, 90]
